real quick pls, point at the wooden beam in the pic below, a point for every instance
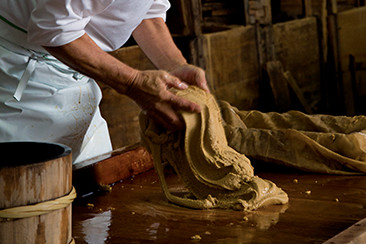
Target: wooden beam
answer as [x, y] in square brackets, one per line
[353, 82]
[336, 99]
[196, 10]
[308, 8]
[352, 38]
[122, 163]
[279, 85]
[197, 42]
[258, 11]
[249, 18]
[332, 6]
[295, 87]
[231, 65]
[354, 234]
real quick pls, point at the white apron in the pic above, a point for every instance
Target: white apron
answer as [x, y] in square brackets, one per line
[42, 99]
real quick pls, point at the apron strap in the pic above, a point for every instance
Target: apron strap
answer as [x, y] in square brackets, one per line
[25, 78]
[11, 24]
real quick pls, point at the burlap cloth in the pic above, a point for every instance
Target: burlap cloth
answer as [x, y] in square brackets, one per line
[314, 143]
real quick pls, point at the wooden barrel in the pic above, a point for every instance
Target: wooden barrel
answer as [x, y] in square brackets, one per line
[32, 174]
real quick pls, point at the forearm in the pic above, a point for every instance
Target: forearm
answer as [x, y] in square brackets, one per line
[85, 56]
[149, 89]
[154, 38]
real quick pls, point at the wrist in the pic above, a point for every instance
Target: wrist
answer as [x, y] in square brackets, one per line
[125, 80]
[176, 65]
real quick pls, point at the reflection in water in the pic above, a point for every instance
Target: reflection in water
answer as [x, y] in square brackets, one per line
[266, 217]
[157, 231]
[144, 215]
[152, 230]
[96, 229]
[262, 218]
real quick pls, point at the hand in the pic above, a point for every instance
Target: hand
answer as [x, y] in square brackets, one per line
[150, 89]
[191, 74]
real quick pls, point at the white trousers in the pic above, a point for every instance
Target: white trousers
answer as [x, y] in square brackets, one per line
[52, 103]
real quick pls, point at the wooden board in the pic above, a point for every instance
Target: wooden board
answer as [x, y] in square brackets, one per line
[297, 47]
[223, 12]
[279, 86]
[181, 19]
[122, 163]
[354, 234]
[293, 84]
[232, 67]
[295, 9]
[352, 41]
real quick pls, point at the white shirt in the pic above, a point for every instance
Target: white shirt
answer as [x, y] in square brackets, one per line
[57, 22]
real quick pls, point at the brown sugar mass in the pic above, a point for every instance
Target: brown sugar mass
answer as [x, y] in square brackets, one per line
[216, 175]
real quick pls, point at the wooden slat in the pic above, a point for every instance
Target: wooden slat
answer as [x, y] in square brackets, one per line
[333, 6]
[352, 41]
[308, 8]
[249, 18]
[231, 61]
[354, 234]
[297, 47]
[260, 11]
[112, 167]
[180, 18]
[279, 85]
[295, 87]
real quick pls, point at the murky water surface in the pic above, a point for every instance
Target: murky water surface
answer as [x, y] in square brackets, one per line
[136, 211]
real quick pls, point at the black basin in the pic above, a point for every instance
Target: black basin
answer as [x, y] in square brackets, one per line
[14, 154]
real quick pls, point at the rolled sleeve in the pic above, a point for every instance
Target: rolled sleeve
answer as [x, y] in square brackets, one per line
[158, 9]
[56, 23]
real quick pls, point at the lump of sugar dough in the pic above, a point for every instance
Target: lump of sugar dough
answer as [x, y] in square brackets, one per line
[215, 174]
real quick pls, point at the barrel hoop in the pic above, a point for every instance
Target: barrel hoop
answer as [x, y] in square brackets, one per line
[39, 208]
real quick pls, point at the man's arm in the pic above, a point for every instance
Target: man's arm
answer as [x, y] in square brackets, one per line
[86, 57]
[148, 88]
[154, 38]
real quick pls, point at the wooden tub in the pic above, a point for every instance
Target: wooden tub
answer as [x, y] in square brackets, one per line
[31, 175]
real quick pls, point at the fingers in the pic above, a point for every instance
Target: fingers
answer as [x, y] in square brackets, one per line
[175, 101]
[172, 81]
[201, 80]
[192, 75]
[165, 111]
[167, 117]
[151, 91]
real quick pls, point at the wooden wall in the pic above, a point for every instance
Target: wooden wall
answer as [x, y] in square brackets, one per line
[274, 55]
[232, 67]
[297, 47]
[352, 55]
[296, 9]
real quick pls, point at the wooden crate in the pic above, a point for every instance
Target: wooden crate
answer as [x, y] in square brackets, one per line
[296, 9]
[190, 18]
[223, 12]
[296, 45]
[352, 43]
[231, 65]
[181, 19]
